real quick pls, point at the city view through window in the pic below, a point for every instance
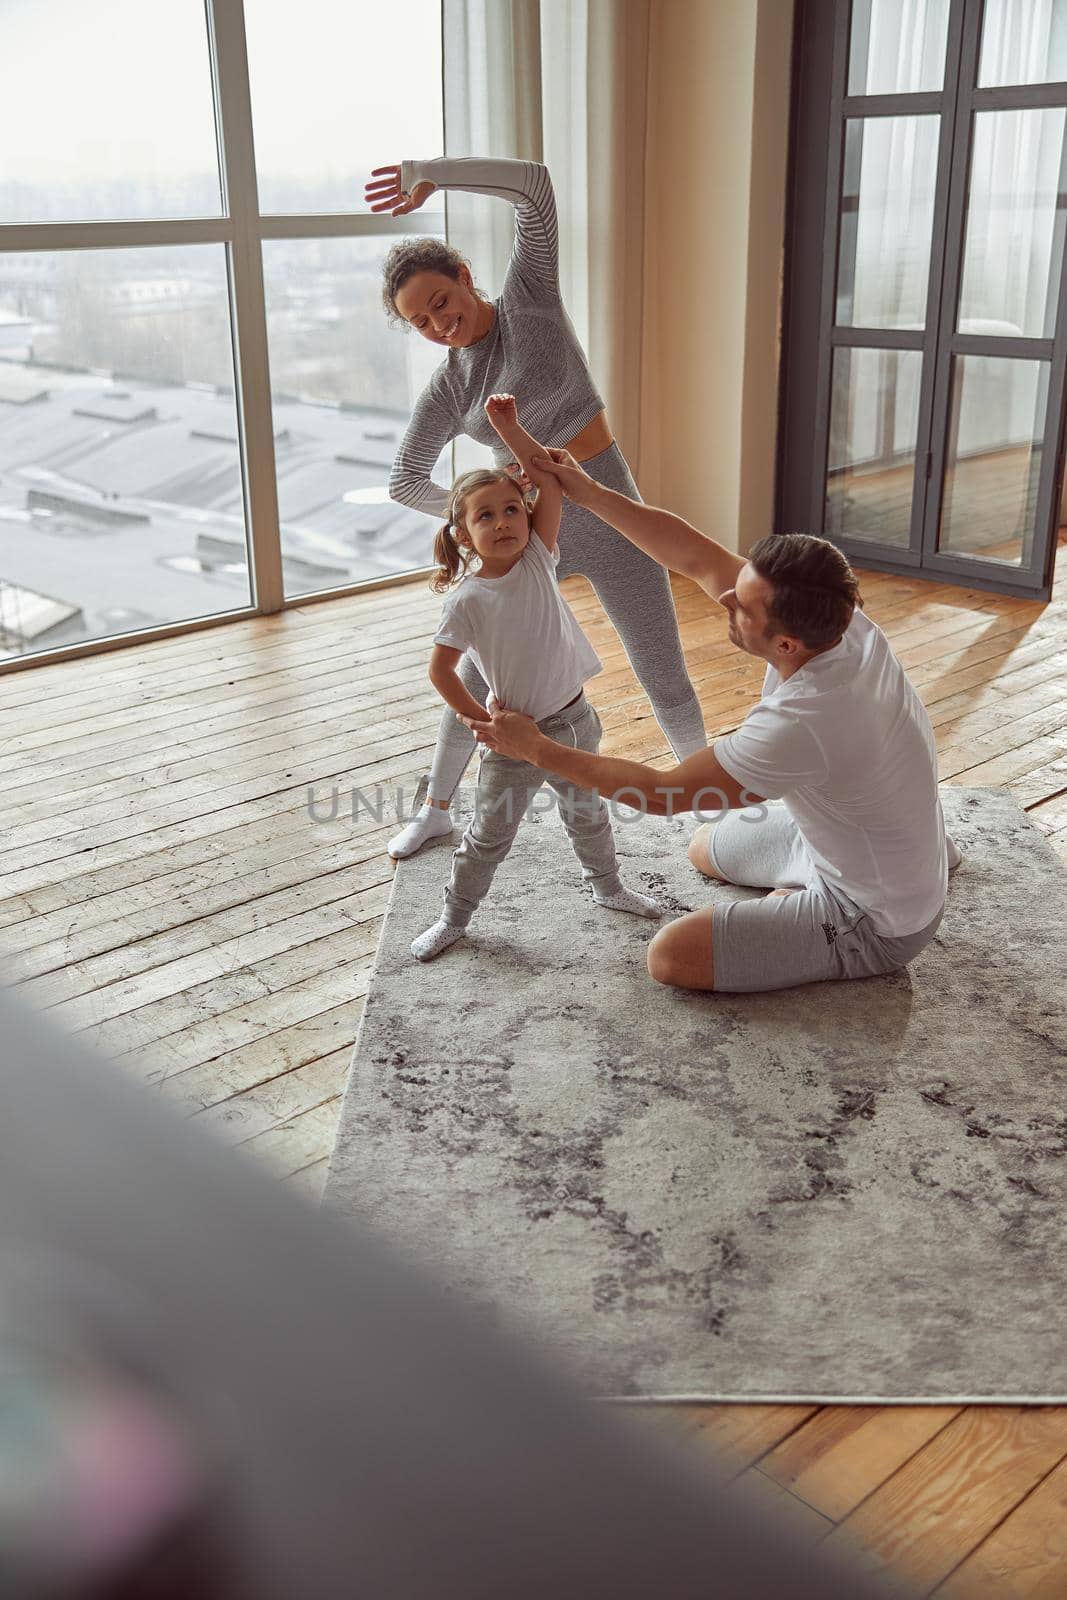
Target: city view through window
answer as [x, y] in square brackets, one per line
[121, 495]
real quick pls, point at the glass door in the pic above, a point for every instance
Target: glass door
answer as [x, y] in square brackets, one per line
[889, 164]
[925, 336]
[993, 496]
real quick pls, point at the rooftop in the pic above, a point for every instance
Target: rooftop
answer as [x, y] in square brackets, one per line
[121, 501]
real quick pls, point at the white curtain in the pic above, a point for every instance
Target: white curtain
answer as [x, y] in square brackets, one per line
[1023, 41]
[564, 82]
[492, 107]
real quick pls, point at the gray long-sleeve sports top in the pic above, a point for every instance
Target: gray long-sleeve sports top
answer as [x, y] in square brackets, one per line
[531, 350]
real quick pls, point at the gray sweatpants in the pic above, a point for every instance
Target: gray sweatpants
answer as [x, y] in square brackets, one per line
[505, 789]
[636, 594]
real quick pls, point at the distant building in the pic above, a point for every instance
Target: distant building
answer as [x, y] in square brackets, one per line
[122, 504]
[15, 331]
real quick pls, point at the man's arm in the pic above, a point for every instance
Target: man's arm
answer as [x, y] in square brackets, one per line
[668, 539]
[698, 783]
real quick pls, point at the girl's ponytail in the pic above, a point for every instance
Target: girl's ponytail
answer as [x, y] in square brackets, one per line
[450, 560]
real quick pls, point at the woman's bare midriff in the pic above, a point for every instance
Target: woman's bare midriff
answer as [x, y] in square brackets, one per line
[594, 437]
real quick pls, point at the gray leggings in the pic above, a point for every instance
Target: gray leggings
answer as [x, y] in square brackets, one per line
[505, 789]
[636, 594]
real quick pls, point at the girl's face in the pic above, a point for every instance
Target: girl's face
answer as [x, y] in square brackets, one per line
[496, 523]
[443, 309]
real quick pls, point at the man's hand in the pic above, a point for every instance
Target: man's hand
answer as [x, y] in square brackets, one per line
[387, 195]
[509, 733]
[576, 484]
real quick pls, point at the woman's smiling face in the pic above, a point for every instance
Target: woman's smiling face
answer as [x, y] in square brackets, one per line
[444, 310]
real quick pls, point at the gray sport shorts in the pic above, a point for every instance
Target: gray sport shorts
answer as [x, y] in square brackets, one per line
[808, 936]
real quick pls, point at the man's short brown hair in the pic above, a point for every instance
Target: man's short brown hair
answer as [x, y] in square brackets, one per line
[815, 589]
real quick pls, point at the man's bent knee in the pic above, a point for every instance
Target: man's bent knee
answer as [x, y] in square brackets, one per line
[699, 851]
[680, 955]
[658, 960]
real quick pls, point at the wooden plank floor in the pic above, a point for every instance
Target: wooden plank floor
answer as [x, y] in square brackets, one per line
[164, 892]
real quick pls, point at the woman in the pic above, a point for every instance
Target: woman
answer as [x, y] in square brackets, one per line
[524, 344]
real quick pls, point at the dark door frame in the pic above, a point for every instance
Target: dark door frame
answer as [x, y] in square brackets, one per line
[819, 109]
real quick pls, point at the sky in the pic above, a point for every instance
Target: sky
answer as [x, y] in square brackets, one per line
[121, 89]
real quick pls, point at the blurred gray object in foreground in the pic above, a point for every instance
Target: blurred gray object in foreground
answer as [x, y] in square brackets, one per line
[350, 1428]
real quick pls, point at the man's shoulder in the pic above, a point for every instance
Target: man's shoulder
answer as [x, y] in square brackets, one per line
[854, 669]
[872, 655]
[862, 626]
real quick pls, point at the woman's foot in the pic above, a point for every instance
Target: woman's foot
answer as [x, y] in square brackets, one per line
[436, 940]
[954, 857]
[638, 905]
[431, 822]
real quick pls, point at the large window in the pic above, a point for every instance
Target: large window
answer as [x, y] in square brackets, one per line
[200, 396]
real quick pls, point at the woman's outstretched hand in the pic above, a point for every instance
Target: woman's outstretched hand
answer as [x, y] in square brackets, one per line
[576, 484]
[383, 192]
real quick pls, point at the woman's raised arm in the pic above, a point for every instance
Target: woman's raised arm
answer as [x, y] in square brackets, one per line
[534, 265]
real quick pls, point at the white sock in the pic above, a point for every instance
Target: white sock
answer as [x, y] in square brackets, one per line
[638, 905]
[429, 945]
[429, 823]
[954, 857]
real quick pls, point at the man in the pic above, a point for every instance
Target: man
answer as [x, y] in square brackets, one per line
[854, 851]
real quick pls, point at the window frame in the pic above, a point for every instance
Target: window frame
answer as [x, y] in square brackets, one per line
[241, 229]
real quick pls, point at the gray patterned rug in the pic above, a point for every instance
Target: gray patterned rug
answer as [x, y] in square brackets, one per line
[846, 1191]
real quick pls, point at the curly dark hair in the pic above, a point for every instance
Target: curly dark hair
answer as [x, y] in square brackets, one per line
[411, 256]
[815, 589]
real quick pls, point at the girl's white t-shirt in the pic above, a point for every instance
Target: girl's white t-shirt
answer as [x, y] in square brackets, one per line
[524, 639]
[848, 746]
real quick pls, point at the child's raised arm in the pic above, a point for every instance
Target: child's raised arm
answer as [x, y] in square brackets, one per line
[503, 414]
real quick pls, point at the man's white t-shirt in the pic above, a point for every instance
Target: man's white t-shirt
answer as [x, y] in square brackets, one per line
[846, 743]
[524, 638]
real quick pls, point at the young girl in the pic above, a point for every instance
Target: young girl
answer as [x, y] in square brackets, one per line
[507, 611]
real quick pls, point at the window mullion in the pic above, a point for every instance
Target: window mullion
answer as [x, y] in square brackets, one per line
[233, 112]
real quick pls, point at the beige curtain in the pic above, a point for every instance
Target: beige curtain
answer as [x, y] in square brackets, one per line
[564, 82]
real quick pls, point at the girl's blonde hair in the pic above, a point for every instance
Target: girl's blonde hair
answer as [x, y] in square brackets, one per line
[452, 559]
